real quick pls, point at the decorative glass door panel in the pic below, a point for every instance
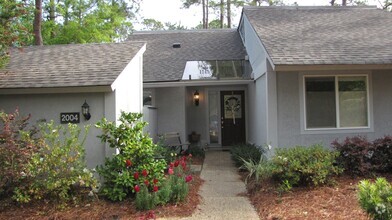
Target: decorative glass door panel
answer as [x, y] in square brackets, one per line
[213, 113]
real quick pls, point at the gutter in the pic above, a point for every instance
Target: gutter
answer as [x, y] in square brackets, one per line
[195, 83]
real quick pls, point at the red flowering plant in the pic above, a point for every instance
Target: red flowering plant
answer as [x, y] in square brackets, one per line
[135, 164]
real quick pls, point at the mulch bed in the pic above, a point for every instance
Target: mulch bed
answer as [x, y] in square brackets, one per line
[328, 202]
[102, 209]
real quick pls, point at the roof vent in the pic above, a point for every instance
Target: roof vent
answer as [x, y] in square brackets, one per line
[177, 45]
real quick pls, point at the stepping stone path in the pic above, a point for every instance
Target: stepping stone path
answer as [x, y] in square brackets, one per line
[223, 192]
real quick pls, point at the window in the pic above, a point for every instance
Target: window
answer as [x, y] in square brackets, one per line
[216, 69]
[147, 97]
[336, 102]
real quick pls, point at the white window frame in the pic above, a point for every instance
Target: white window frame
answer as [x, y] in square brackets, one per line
[337, 129]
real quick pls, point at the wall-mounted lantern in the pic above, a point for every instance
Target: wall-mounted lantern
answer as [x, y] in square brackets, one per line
[86, 110]
[196, 98]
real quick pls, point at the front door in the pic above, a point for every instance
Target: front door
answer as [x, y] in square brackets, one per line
[232, 117]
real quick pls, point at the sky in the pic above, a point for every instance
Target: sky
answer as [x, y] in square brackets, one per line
[171, 11]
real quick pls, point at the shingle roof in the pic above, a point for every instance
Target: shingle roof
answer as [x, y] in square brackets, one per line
[324, 35]
[162, 62]
[67, 65]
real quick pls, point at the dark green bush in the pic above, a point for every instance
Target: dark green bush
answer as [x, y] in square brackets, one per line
[376, 198]
[195, 151]
[136, 162]
[301, 165]
[247, 152]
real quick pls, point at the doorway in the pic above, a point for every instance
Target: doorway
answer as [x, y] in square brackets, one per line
[232, 113]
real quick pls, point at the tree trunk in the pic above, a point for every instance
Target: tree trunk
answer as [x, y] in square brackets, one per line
[207, 14]
[37, 23]
[204, 14]
[222, 11]
[332, 2]
[344, 2]
[52, 15]
[229, 13]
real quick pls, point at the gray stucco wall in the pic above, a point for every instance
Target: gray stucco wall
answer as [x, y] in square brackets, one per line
[257, 123]
[49, 107]
[289, 114]
[171, 114]
[197, 115]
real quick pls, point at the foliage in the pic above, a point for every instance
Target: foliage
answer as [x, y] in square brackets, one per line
[304, 165]
[58, 170]
[196, 151]
[355, 153]
[135, 164]
[151, 24]
[18, 143]
[165, 153]
[247, 152]
[376, 198]
[146, 200]
[89, 21]
[260, 170]
[13, 28]
[381, 159]
[359, 156]
[173, 188]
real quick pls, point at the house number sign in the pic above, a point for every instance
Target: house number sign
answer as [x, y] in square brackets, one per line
[70, 117]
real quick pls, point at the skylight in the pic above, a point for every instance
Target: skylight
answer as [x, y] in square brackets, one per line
[215, 69]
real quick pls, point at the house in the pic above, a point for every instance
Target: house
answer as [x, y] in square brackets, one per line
[53, 82]
[287, 76]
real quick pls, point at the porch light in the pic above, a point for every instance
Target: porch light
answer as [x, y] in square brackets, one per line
[196, 98]
[86, 111]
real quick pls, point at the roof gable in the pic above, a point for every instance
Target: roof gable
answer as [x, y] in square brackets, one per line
[67, 65]
[323, 35]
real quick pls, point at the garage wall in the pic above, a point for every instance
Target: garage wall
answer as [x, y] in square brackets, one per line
[49, 107]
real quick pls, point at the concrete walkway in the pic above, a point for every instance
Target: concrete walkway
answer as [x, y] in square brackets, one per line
[223, 192]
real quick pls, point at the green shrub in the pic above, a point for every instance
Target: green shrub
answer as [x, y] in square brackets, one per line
[376, 198]
[260, 170]
[304, 165]
[136, 161]
[196, 151]
[18, 143]
[165, 153]
[247, 152]
[58, 170]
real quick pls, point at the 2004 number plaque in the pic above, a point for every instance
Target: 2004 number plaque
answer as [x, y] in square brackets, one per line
[70, 117]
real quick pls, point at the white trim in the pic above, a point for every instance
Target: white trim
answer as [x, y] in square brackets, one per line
[76, 89]
[147, 85]
[338, 129]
